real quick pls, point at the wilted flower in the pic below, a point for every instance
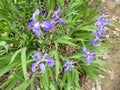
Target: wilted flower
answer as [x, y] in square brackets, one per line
[41, 59]
[69, 65]
[90, 56]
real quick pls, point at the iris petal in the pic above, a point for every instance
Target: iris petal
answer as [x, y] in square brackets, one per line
[47, 26]
[42, 67]
[37, 12]
[50, 62]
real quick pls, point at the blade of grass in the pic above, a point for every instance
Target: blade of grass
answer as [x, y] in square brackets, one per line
[23, 60]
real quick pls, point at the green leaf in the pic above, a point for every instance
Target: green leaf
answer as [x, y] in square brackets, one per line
[8, 67]
[24, 84]
[45, 81]
[23, 60]
[101, 62]
[69, 81]
[66, 40]
[4, 83]
[52, 87]
[15, 55]
[86, 28]
[12, 83]
[57, 64]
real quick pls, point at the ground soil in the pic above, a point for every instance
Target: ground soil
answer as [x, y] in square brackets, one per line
[113, 82]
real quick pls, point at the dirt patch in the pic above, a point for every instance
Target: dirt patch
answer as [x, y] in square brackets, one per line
[113, 82]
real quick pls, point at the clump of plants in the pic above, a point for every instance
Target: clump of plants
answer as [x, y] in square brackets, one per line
[50, 44]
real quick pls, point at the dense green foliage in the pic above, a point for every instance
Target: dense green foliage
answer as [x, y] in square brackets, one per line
[17, 44]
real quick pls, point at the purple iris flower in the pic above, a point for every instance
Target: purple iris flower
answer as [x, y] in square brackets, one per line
[100, 33]
[62, 21]
[47, 26]
[102, 22]
[90, 56]
[69, 65]
[34, 24]
[59, 11]
[95, 41]
[40, 60]
[56, 19]
[103, 10]
[45, 15]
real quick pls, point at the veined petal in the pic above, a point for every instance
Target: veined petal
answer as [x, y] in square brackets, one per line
[30, 25]
[36, 29]
[50, 62]
[37, 56]
[34, 67]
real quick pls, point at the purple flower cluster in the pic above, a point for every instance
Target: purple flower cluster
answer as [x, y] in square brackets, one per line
[69, 65]
[56, 19]
[36, 26]
[40, 60]
[90, 56]
[102, 23]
